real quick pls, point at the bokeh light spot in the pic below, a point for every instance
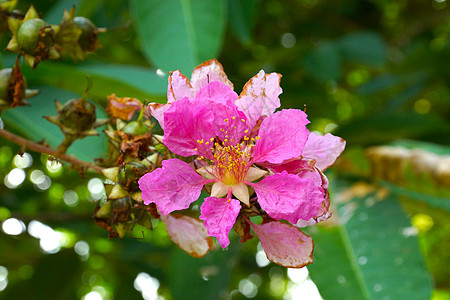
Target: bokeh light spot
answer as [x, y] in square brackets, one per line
[13, 226]
[23, 161]
[422, 106]
[14, 178]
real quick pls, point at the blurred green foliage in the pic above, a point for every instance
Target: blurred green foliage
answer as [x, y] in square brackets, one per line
[373, 72]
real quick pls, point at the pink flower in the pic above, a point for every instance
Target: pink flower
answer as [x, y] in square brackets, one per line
[237, 143]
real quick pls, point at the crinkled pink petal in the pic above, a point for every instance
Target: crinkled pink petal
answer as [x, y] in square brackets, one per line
[322, 182]
[217, 92]
[324, 149]
[259, 96]
[179, 87]
[207, 72]
[188, 233]
[229, 123]
[187, 122]
[174, 186]
[289, 197]
[283, 136]
[219, 216]
[292, 166]
[284, 244]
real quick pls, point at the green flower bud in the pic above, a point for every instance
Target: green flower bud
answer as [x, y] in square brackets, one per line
[136, 128]
[30, 36]
[130, 174]
[78, 114]
[89, 32]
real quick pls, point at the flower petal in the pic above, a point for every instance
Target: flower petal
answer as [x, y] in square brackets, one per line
[324, 149]
[219, 216]
[207, 72]
[322, 213]
[179, 87]
[259, 96]
[287, 196]
[187, 122]
[283, 136]
[188, 233]
[175, 186]
[123, 107]
[157, 110]
[216, 92]
[292, 166]
[284, 244]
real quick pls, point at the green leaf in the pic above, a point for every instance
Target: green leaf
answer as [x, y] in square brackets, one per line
[373, 254]
[363, 47]
[438, 202]
[179, 34]
[324, 62]
[124, 81]
[241, 18]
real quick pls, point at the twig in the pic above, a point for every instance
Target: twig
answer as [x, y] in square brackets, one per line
[50, 151]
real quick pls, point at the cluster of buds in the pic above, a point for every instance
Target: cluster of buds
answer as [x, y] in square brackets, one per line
[13, 88]
[36, 40]
[133, 152]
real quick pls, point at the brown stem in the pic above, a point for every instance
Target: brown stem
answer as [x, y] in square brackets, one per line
[65, 144]
[50, 151]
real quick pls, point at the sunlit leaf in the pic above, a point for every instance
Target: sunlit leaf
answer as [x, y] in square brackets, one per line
[373, 253]
[179, 34]
[124, 81]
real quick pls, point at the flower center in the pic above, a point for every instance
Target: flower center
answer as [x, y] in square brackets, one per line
[231, 158]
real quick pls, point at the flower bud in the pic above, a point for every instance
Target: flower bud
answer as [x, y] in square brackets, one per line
[33, 38]
[78, 114]
[130, 174]
[136, 128]
[30, 36]
[88, 38]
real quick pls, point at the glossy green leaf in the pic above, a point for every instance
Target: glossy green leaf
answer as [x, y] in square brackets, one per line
[124, 81]
[373, 254]
[363, 47]
[437, 202]
[179, 34]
